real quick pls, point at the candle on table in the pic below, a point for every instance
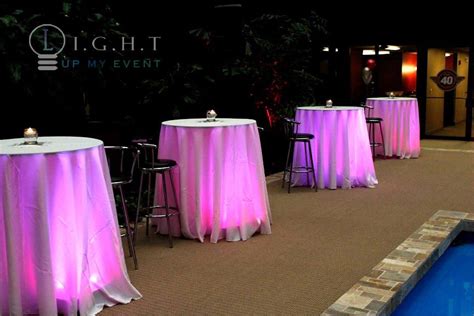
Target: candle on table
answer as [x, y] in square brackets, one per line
[211, 115]
[30, 135]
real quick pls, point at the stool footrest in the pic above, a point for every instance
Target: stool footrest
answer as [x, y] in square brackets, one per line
[158, 207]
[161, 215]
[375, 144]
[301, 170]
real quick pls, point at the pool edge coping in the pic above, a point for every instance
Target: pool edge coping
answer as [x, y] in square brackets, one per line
[388, 283]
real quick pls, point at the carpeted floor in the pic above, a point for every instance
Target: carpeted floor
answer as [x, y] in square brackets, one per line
[321, 244]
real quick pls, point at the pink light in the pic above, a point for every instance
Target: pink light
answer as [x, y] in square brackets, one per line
[341, 151]
[94, 278]
[58, 213]
[400, 125]
[220, 181]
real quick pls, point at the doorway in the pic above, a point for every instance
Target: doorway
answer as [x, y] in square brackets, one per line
[448, 93]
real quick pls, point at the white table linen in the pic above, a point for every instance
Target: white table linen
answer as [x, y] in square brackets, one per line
[60, 246]
[401, 125]
[341, 149]
[220, 178]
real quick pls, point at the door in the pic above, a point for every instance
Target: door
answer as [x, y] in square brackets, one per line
[448, 93]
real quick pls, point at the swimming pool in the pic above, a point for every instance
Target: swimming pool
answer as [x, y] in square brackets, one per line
[438, 257]
[448, 287]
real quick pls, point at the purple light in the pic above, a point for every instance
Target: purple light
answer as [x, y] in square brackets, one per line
[59, 238]
[341, 150]
[401, 125]
[220, 181]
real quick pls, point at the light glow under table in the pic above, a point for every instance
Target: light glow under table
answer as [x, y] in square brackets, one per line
[220, 178]
[341, 149]
[401, 125]
[60, 246]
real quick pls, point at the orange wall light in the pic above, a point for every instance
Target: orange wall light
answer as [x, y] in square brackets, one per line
[409, 67]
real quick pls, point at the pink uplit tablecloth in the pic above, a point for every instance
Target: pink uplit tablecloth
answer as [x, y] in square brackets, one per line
[60, 246]
[220, 178]
[401, 125]
[341, 149]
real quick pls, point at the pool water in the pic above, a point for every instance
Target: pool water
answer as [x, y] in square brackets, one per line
[448, 287]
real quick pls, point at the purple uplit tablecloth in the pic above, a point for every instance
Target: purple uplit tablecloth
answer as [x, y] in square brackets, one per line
[341, 149]
[401, 125]
[60, 246]
[220, 178]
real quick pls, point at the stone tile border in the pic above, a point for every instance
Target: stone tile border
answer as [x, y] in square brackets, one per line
[383, 289]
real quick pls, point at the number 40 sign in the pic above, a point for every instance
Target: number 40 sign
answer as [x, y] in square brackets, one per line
[447, 80]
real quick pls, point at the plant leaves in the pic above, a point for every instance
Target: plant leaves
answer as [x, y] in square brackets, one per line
[67, 7]
[15, 72]
[8, 20]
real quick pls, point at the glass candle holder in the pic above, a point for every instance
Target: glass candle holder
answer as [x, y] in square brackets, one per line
[329, 103]
[30, 135]
[211, 115]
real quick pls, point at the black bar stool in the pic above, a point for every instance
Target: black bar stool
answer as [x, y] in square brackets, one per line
[153, 167]
[371, 122]
[122, 161]
[291, 131]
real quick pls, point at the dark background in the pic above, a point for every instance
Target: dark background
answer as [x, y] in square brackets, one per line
[55, 105]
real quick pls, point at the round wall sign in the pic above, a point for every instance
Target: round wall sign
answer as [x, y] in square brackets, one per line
[447, 80]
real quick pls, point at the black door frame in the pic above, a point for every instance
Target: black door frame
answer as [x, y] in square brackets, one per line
[421, 83]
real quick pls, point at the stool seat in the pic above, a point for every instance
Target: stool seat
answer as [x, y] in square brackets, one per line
[373, 120]
[120, 179]
[301, 137]
[160, 164]
[122, 161]
[156, 168]
[291, 131]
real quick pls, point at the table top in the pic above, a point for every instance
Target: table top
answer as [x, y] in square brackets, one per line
[392, 99]
[202, 122]
[47, 145]
[333, 108]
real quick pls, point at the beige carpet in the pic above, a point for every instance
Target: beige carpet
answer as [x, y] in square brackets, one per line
[322, 243]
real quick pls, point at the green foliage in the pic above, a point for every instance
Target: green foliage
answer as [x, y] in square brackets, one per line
[180, 86]
[277, 57]
[19, 63]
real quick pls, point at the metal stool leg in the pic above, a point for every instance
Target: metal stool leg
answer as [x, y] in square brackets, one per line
[372, 126]
[383, 141]
[135, 226]
[131, 246]
[306, 160]
[286, 165]
[174, 191]
[312, 167]
[170, 237]
[292, 150]
[148, 203]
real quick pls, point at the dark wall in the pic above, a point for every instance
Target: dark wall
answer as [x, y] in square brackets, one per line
[389, 73]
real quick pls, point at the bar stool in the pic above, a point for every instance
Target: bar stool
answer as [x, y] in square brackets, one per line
[371, 122]
[291, 131]
[153, 167]
[118, 157]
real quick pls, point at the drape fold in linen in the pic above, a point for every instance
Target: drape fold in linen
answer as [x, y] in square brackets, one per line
[60, 247]
[220, 178]
[341, 149]
[401, 125]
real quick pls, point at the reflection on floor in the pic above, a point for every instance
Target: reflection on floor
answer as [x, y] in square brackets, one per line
[321, 243]
[447, 145]
[458, 130]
